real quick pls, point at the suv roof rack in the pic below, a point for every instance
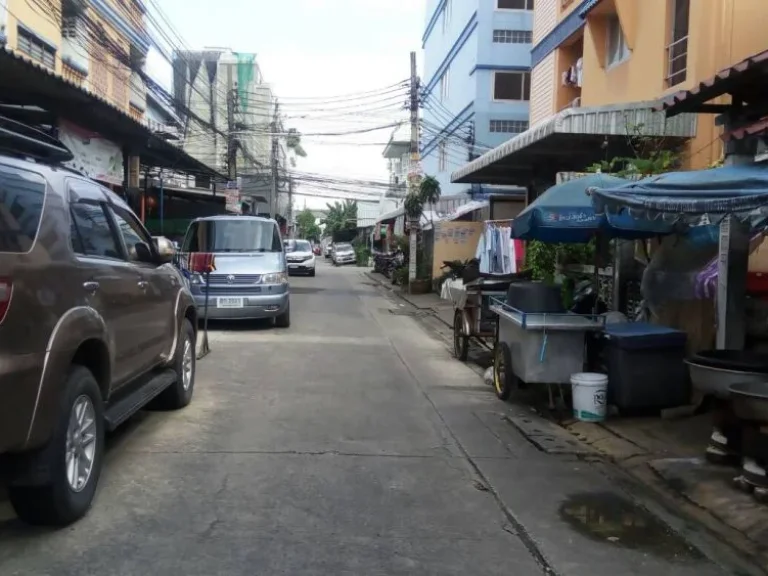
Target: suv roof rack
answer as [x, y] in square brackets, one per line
[19, 139]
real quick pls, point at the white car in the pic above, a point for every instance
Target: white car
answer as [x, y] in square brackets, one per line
[299, 257]
[343, 253]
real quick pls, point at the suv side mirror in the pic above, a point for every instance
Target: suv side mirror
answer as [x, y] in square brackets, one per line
[165, 249]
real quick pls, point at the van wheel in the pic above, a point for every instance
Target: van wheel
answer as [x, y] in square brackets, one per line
[72, 458]
[284, 320]
[179, 394]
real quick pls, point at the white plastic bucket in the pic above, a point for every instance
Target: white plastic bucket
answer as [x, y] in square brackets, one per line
[589, 393]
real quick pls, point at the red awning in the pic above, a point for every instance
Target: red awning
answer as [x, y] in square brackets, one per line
[745, 81]
[758, 128]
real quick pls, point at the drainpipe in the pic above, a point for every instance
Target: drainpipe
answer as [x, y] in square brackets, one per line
[162, 204]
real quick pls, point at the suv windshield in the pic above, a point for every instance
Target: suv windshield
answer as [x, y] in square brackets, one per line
[21, 205]
[235, 235]
[300, 246]
[343, 247]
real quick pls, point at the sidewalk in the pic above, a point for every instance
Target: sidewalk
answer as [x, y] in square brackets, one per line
[665, 456]
[431, 302]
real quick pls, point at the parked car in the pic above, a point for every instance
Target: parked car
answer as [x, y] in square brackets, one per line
[300, 257]
[317, 250]
[251, 278]
[343, 253]
[328, 248]
[95, 323]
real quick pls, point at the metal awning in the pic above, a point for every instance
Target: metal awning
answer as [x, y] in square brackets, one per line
[745, 81]
[571, 141]
[23, 82]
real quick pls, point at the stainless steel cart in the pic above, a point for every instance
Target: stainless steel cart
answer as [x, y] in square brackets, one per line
[538, 348]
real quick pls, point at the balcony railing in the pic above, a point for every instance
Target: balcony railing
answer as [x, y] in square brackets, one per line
[677, 61]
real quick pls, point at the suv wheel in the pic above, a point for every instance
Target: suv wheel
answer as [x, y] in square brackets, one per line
[179, 394]
[73, 457]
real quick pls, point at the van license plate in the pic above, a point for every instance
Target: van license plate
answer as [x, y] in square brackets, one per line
[229, 303]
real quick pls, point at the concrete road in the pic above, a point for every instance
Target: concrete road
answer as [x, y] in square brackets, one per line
[349, 444]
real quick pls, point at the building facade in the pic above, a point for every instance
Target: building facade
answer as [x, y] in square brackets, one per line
[210, 82]
[626, 51]
[69, 36]
[476, 82]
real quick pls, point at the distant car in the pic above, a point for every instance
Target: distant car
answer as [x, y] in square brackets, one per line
[317, 250]
[300, 257]
[343, 253]
[328, 249]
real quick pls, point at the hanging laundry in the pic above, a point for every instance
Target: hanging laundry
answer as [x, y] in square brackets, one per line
[579, 71]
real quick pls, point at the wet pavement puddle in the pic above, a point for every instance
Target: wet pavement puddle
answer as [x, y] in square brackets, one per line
[609, 518]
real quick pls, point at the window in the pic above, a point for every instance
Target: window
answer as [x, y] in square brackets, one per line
[445, 81]
[442, 157]
[617, 50]
[133, 233]
[22, 195]
[29, 44]
[511, 85]
[91, 232]
[513, 36]
[233, 235]
[514, 4]
[447, 13]
[677, 51]
[509, 126]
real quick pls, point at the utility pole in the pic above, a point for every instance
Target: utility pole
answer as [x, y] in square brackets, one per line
[290, 204]
[231, 141]
[273, 199]
[414, 170]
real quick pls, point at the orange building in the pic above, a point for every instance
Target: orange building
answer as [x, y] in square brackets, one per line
[61, 35]
[600, 67]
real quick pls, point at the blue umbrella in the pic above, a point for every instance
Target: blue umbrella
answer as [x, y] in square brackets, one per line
[564, 213]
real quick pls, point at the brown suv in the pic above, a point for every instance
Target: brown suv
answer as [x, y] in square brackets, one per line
[95, 323]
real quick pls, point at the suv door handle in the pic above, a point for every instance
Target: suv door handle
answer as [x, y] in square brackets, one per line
[143, 284]
[91, 286]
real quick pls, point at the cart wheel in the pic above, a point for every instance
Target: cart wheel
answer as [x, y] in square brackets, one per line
[504, 379]
[460, 340]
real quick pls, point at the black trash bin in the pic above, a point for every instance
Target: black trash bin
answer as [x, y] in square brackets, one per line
[646, 367]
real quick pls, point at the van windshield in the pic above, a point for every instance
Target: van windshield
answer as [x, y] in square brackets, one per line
[235, 235]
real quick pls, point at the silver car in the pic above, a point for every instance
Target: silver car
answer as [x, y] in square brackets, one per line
[251, 280]
[343, 253]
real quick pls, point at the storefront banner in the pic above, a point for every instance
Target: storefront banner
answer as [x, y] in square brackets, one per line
[94, 156]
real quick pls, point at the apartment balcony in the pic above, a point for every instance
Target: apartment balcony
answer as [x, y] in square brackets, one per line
[137, 96]
[73, 74]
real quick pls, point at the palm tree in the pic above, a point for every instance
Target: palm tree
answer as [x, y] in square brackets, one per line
[340, 216]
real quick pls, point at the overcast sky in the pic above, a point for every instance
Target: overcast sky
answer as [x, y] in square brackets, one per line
[314, 48]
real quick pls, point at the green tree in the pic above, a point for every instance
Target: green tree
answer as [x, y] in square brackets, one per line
[293, 141]
[341, 216]
[306, 226]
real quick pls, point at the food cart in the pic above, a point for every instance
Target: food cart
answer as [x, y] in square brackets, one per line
[538, 348]
[472, 316]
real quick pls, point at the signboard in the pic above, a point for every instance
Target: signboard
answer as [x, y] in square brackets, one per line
[94, 156]
[232, 197]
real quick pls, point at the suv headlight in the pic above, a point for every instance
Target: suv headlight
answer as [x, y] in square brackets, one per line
[275, 278]
[196, 279]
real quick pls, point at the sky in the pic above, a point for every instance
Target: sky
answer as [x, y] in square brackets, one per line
[315, 49]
